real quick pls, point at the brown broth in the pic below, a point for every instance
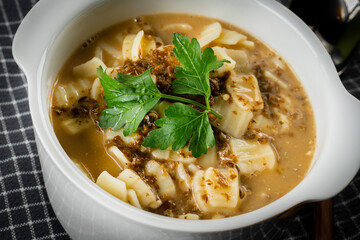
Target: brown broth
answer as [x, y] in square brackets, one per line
[294, 148]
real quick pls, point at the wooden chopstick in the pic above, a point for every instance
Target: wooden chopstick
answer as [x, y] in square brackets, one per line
[324, 220]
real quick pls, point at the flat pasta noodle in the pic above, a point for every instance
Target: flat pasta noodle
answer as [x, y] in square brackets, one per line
[119, 157]
[242, 62]
[88, 69]
[252, 157]
[133, 139]
[157, 153]
[244, 91]
[222, 187]
[272, 77]
[127, 46]
[148, 45]
[98, 52]
[210, 192]
[283, 121]
[112, 50]
[182, 177]
[69, 93]
[221, 53]
[60, 96]
[262, 123]
[189, 216]
[192, 168]
[167, 189]
[230, 37]
[182, 155]
[209, 34]
[235, 120]
[210, 159]
[133, 199]
[96, 89]
[136, 48]
[247, 44]
[75, 126]
[144, 192]
[84, 169]
[278, 63]
[178, 26]
[112, 185]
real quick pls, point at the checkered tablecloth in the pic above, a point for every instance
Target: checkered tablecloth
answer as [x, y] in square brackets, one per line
[25, 211]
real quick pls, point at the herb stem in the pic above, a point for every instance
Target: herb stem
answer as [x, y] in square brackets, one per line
[181, 99]
[207, 103]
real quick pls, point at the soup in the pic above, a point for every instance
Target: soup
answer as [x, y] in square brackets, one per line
[259, 145]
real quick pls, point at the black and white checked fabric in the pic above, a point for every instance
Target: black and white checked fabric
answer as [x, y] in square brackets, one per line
[25, 211]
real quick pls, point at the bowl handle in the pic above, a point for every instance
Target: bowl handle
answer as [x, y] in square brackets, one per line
[34, 34]
[342, 154]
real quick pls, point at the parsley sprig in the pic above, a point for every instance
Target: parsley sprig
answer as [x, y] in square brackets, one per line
[130, 98]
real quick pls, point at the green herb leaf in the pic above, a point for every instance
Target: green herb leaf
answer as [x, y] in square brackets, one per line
[193, 76]
[129, 99]
[182, 123]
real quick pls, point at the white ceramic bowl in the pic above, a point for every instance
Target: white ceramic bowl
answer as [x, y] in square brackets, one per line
[53, 29]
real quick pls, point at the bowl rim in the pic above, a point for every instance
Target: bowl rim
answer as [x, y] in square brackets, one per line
[74, 175]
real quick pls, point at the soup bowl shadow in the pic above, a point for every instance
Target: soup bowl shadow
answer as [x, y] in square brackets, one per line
[53, 29]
